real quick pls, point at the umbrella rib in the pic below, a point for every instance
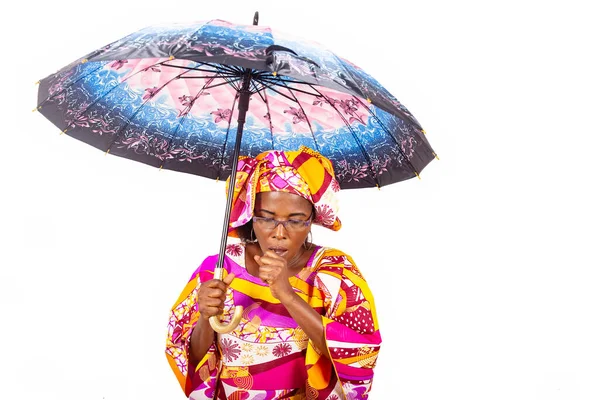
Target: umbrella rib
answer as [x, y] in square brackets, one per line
[228, 79]
[307, 121]
[257, 89]
[277, 83]
[278, 92]
[362, 148]
[215, 69]
[207, 76]
[278, 78]
[223, 67]
[256, 80]
[224, 83]
[389, 134]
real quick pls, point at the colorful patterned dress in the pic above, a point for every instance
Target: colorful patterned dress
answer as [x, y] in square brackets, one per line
[268, 356]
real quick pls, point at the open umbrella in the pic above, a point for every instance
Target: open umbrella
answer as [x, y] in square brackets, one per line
[194, 97]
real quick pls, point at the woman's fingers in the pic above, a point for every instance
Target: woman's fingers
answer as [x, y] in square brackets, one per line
[218, 293]
[268, 272]
[211, 296]
[216, 283]
[266, 276]
[228, 279]
[221, 285]
[209, 306]
[214, 301]
[208, 312]
[270, 258]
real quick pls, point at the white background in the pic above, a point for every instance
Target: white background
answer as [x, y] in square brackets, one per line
[485, 272]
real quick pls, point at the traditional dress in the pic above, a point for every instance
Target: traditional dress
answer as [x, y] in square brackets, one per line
[268, 356]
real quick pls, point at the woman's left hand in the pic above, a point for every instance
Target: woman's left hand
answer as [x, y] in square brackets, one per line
[272, 269]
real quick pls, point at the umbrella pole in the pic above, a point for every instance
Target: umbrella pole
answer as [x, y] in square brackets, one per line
[243, 103]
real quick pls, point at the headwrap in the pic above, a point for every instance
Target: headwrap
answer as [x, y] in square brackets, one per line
[305, 173]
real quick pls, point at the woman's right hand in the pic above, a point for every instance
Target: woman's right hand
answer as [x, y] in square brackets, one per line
[211, 296]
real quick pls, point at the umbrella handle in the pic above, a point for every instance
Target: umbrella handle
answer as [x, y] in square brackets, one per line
[214, 321]
[223, 327]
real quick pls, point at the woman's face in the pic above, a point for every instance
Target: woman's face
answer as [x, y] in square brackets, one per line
[281, 206]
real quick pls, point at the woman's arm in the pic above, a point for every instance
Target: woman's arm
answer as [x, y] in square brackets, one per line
[273, 270]
[211, 299]
[202, 337]
[347, 334]
[190, 350]
[309, 320]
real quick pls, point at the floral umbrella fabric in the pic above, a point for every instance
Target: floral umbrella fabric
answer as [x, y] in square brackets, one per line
[167, 96]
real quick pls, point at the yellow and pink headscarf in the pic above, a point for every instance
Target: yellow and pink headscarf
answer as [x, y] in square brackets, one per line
[305, 173]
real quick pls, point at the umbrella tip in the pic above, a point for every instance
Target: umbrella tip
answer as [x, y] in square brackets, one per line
[84, 60]
[255, 21]
[38, 82]
[37, 108]
[417, 174]
[107, 151]
[436, 156]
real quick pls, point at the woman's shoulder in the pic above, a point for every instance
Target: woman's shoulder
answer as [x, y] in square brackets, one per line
[234, 259]
[335, 262]
[207, 266]
[332, 255]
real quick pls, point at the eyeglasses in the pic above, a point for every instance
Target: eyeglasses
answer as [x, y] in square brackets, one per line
[289, 224]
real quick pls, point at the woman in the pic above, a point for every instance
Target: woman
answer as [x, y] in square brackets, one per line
[309, 328]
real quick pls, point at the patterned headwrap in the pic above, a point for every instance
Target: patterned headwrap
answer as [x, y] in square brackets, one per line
[305, 173]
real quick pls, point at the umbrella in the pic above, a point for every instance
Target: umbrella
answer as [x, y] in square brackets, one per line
[194, 97]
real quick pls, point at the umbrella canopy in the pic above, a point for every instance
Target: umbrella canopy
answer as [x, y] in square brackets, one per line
[168, 96]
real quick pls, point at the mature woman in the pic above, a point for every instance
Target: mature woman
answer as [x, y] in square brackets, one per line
[309, 329]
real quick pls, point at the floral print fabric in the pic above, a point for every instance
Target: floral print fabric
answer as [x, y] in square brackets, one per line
[268, 356]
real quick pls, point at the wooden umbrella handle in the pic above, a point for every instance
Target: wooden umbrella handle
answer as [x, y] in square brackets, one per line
[214, 321]
[227, 327]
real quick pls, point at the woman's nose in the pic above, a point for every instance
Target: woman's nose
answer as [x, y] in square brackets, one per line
[279, 231]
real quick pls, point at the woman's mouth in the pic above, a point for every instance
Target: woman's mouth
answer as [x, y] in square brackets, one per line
[280, 251]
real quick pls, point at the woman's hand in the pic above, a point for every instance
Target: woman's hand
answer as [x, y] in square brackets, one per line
[272, 269]
[211, 296]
